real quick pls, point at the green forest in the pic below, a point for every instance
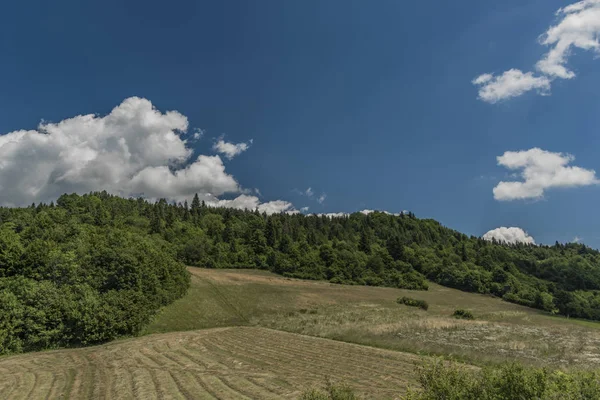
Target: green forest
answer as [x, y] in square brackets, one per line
[91, 268]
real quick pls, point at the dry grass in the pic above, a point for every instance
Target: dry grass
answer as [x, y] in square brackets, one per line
[220, 363]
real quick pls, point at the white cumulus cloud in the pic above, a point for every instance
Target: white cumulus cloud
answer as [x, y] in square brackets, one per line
[367, 212]
[511, 83]
[244, 201]
[578, 27]
[540, 170]
[509, 235]
[134, 150]
[231, 150]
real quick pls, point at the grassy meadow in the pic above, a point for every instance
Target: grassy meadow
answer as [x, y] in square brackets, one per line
[248, 334]
[366, 315]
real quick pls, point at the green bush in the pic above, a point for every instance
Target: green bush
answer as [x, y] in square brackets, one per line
[443, 380]
[408, 301]
[463, 314]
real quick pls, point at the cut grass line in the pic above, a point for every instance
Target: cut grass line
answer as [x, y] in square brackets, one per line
[167, 388]
[210, 363]
[268, 386]
[299, 361]
[122, 384]
[250, 389]
[188, 386]
[220, 389]
[44, 381]
[58, 383]
[203, 385]
[144, 386]
[335, 353]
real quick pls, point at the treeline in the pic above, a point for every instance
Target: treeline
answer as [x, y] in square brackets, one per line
[94, 267]
[73, 274]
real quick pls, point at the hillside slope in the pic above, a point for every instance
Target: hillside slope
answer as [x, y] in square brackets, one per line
[219, 363]
[371, 316]
[97, 267]
[237, 356]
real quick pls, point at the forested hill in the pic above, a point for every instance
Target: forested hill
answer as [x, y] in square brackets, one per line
[91, 268]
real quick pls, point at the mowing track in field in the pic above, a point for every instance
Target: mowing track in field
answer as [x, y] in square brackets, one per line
[221, 363]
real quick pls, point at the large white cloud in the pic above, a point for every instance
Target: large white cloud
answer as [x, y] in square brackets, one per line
[541, 170]
[134, 150]
[509, 235]
[578, 27]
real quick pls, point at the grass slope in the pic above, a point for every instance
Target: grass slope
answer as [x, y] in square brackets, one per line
[218, 363]
[236, 356]
[370, 315]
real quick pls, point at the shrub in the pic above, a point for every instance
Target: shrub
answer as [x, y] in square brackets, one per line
[408, 301]
[463, 314]
[440, 380]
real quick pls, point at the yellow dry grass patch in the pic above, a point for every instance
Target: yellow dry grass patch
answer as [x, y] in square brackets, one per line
[220, 363]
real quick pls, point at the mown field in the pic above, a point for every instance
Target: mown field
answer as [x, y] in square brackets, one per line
[370, 315]
[219, 363]
[245, 334]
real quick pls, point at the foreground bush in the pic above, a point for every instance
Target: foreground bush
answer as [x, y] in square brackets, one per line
[447, 381]
[408, 301]
[463, 314]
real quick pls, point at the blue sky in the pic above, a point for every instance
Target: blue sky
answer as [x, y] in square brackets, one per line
[369, 103]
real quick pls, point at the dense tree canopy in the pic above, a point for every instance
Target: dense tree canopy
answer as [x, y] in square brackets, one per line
[91, 268]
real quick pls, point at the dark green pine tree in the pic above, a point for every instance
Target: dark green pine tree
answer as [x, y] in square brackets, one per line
[395, 247]
[186, 211]
[196, 205]
[170, 216]
[364, 244]
[464, 254]
[270, 233]
[155, 221]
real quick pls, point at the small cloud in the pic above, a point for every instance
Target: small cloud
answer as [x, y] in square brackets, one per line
[321, 198]
[509, 235]
[511, 83]
[304, 209]
[577, 239]
[309, 192]
[198, 134]
[231, 150]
